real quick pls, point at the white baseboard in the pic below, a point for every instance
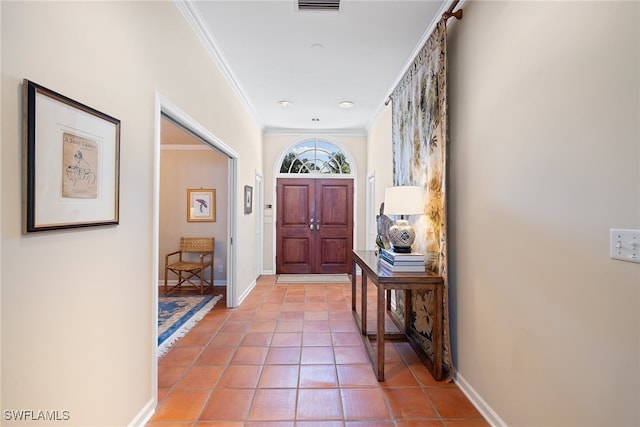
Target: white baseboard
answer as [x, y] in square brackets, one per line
[271, 272]
[144, 415]
[247, 292]
[483, 407]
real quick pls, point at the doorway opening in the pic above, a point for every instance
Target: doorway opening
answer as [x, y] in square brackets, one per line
[166, 110]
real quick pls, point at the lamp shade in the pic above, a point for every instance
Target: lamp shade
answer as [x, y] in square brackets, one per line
[404, 200]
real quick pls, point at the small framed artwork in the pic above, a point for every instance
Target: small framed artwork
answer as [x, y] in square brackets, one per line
[71, 161]
[248, 199]
[201, 205]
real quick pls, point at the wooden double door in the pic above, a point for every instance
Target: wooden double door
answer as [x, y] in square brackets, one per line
[314, 225]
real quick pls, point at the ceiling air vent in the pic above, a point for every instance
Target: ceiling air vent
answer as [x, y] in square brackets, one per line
[329, 5]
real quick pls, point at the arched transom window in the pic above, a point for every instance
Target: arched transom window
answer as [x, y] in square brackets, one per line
[315, 156]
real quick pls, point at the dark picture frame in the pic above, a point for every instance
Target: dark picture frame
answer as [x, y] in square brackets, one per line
[248, 199]
[201, 205]
[71, 162]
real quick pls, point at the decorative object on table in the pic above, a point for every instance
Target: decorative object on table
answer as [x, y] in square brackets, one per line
[383, 223]
[178, 314]
[201, 205]
[248, 199]
[401, 262]
[403, 200]
[71, 162]
[193, 259]
[419, 139]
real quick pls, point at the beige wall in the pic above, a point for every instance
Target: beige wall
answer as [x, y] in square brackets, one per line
[379, 155]
[199, 167]
[275, 146]
[544, 159]
[77, 305]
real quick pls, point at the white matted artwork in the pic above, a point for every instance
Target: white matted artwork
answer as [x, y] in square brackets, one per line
[71, 157]
[201, 205]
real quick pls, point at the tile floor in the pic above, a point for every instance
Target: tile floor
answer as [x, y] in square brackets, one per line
[290, 355]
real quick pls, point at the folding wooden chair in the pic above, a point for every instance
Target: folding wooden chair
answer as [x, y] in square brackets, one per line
[194, 257]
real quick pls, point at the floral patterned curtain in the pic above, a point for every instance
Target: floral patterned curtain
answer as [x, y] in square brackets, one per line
[419, 137]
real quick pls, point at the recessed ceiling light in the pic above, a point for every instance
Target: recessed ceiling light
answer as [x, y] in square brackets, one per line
[284, 103]
[346, 104]
[315, 119]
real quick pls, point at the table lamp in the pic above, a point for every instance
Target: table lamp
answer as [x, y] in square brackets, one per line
[403, 200]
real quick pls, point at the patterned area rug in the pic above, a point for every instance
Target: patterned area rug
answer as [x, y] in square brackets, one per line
[313, 278]
[178, 314]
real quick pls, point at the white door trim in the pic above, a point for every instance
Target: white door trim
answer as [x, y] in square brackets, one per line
[166, 108]
[259, 211]
[370, 220]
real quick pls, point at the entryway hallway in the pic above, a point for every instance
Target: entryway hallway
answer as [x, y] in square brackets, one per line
[290, 355]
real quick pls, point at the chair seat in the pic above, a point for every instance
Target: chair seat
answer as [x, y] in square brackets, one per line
[187, 266]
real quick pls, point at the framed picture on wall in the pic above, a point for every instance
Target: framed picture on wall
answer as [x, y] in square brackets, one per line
[201, 205]
[70, 162]
[248, 199]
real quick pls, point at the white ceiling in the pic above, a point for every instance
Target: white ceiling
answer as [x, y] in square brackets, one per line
[270, 51]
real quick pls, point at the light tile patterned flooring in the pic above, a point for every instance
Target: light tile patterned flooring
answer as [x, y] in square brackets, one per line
[291, 356]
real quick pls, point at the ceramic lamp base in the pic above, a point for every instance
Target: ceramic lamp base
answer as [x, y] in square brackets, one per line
[401, 236]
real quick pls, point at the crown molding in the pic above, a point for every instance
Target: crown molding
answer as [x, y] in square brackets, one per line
[417, 48]
[326, 132]
[192, 15]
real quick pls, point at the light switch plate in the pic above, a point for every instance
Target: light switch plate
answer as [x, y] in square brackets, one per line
[624, 244]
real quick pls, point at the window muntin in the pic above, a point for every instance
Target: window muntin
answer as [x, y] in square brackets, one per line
[315, 156]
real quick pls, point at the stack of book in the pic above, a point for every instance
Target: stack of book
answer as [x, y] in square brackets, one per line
[401, 262]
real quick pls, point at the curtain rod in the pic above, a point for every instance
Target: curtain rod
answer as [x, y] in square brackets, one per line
[451, 14]
[446, 15]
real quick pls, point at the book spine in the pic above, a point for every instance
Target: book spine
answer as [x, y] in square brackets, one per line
[407, 258]
[386, 257]
[392, 257]
[408, 263]
[402, 268]
[416, 262]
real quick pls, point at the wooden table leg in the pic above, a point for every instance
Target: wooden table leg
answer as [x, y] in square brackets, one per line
[407, 310]
[363, 315]
[353, 284]
[380, 331]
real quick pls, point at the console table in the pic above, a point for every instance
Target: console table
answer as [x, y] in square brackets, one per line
[385, 281]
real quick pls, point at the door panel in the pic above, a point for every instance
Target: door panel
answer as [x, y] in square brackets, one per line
[294, 245]
[314, 229]
[296, 250]
[334, 200]
[333, 253]
[296, 211]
